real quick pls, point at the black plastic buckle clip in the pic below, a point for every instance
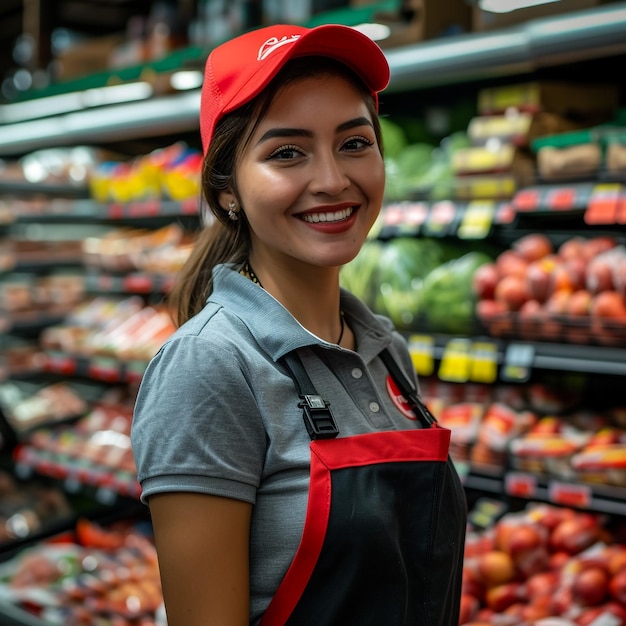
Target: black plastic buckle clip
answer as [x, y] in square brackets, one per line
[318, 417]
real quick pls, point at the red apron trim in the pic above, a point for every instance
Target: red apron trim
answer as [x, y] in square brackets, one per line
[287, 596]
[430, 444]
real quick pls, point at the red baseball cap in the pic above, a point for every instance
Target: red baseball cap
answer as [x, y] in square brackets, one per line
[238, 70]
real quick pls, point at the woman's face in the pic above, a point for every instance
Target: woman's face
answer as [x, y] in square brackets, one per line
[311, 178]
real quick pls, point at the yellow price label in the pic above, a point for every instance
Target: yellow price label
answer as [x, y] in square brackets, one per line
[477, 220]
[484, 362]
[456, 361]
[421, 349]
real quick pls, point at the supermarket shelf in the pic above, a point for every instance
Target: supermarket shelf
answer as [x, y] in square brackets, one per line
[537, 43]
[540, 355]
[25, 188]
[593, 497]
[92, 211]
[572, 37]
[132, 283]
[106, 369]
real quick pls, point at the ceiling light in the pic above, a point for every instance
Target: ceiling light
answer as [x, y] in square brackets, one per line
[188, 79]
[377, 32]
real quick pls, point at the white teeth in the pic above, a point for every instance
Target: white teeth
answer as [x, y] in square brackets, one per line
[337, 216]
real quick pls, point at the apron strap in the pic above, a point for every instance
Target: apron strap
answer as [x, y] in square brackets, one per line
[408, 390]
[318, 418]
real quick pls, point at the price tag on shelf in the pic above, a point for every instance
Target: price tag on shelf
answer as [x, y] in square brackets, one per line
[115, 211]
[518, 361]
[189, 206]
[527, 200]
[441, 218]
[456, 360]
[484, 362]
[60, 363]
[561, 199]
[520, 485]
[505, 213]
[144, 208]
[422, 348]
[477, 220]
[138, 283]
[104, 368]
[604, 204]
[570, 494]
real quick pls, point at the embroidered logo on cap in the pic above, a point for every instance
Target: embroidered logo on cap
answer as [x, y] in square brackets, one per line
[399, 401]
[273, 43]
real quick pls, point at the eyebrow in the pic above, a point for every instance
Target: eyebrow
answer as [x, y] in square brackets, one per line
[303, 132]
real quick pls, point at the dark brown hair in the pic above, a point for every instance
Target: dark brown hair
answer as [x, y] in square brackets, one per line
[222, 240]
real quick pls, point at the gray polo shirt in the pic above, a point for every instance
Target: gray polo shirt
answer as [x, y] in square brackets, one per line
[216, 413]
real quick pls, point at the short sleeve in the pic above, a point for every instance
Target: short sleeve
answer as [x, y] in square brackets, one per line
[196, 425]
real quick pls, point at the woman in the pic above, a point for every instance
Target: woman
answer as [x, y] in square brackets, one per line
[279, 389]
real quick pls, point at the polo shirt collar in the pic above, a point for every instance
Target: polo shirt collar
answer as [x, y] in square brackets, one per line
[277, 331]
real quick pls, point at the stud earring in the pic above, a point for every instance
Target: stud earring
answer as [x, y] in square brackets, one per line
[232, 213]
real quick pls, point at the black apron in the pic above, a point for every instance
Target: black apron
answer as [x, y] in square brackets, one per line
[384, 532]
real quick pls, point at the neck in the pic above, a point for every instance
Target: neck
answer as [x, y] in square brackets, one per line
[313, 299]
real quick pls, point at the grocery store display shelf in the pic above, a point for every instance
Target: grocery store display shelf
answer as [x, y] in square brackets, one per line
[529, 486]
[524, 356]
[132, 283]
[108, 369]
[57, 210]
[27, 188]
[518, 50]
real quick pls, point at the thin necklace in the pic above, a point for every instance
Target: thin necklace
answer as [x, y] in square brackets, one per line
[248, 272]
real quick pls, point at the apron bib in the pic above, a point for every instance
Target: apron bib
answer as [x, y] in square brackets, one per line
[384, 532]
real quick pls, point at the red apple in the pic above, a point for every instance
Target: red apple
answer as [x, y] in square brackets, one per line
[575, 535]
[469, 608]
[512, 292]
[617, 587]
[597, 245]
[539, 277]
[511, 263]
[599, 276]
[572, 248]
[500, 597]
[529, 318]
[495, 568]
[542, 584]
[495, 317]
[484, 281]
[533, 246]
[590, 586]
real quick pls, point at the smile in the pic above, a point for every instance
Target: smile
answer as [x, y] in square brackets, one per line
[335, 216]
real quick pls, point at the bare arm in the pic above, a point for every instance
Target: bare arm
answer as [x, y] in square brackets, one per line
[202, 543]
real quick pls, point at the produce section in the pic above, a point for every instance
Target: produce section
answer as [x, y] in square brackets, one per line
[499, 254]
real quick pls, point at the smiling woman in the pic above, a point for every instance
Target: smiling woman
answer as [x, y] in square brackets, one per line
[279, 388]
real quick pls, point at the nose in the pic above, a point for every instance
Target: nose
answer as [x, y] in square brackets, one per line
[328, 175]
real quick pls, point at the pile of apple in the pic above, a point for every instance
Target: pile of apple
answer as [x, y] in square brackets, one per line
[575, 292]
[543, 566]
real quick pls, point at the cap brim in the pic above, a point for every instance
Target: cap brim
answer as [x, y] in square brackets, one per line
[350, 46]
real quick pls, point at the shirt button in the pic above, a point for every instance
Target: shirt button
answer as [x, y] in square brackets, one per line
[357, 373]
[374, 407]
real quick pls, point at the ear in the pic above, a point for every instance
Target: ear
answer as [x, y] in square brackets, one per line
[225, 198]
